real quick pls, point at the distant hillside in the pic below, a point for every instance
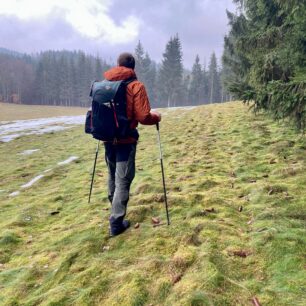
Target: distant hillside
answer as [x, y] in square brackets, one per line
[11, 52]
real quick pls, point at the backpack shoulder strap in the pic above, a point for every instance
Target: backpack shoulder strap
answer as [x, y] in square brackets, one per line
[130, 80]
[91, 87]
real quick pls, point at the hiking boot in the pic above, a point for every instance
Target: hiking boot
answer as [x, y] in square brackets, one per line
[117, 228]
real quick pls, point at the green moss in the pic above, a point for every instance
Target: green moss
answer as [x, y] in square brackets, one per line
[199, 298]
[9, 238]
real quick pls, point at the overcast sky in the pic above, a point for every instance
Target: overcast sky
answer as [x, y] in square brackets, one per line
[108, 27]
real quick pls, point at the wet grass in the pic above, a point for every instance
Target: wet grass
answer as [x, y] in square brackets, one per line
[237, 201]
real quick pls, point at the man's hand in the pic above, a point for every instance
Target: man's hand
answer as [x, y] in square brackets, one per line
[157, 114]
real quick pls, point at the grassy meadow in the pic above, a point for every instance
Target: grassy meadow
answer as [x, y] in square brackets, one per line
[236, 188]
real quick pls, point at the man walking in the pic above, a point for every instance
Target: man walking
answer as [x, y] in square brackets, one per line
[120, 155]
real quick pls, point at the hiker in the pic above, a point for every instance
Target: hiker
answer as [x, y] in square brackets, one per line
[120, 155]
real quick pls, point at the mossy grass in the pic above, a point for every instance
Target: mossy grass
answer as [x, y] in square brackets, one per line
[236, 187]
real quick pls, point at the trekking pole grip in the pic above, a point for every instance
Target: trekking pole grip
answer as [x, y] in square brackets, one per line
[157, 126]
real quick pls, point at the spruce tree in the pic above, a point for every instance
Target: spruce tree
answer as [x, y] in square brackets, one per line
[139, 58]
[98, 69]
[195, 90]
[83, 82]
[204, 87]
[145, 70]
[63, 80]
[185, 100]
[214, 85]
[171, 73]
[265, 52]
[40, 84]
[149, 76]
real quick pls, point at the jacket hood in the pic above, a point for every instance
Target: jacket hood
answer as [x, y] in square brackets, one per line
[119, 73]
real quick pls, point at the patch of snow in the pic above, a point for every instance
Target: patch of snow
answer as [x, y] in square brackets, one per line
[1, 190]
[14, 129]
[21, 125]
[14, 194]
[50, 129]
[179, 107]
[8, 138]
[68, 161]
[29, 152]
[31, 182]
[38, 177]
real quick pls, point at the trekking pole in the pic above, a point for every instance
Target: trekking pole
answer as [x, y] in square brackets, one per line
[93, 171]
[163, 174]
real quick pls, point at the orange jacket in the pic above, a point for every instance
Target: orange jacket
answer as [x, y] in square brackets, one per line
[137, 102]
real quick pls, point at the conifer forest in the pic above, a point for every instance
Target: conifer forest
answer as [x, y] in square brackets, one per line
[64, 77]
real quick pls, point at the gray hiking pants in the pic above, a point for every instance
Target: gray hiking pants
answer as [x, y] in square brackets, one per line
[120, 160]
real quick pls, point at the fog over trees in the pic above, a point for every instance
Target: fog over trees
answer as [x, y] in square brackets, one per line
[64, 77]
